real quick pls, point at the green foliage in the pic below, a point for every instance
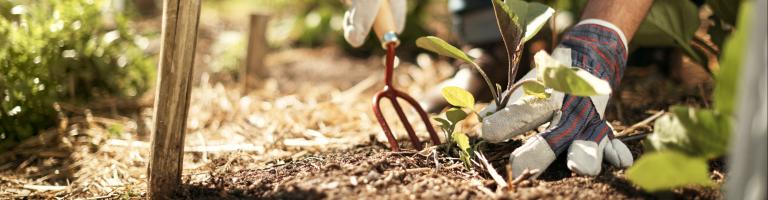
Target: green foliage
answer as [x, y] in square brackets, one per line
[731, 62]
[63, 50]
[696, 132]
[668, 169]
[440, 46]
[458, 97]
[670, 22]
[535, 88]
[462, 141]
[530, 16]
[566, 79]
[686, 137]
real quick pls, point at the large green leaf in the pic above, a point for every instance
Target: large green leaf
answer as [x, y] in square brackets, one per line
[458, 97]
[439, 46]
[667, 170]
[707, 131]
[571, 80]
[532, 15]
[670, 22]
[462, 141]
[731, 63]
[698, 132]
[669, 133]
[535, 88]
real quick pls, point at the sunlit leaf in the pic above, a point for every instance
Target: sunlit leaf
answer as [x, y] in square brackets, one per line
[570, 80]
[535, 88]
[670, 22]
[731, 64]
[707, 131]
[455, 115]
[698, 132]
[667, 170]
[441, 47]
[458, 97]
[532, 15]
[462, 141]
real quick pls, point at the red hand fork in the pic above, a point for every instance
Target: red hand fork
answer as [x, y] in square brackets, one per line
[384, 26]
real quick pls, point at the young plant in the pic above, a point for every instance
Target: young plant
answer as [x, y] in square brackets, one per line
[518, 22]
[459, 99]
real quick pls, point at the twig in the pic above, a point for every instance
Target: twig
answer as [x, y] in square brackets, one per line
[488, 167]
[645, 122]
[526, 175]
[44, 187]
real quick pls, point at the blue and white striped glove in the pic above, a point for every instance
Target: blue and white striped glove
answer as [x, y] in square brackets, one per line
[576, 123]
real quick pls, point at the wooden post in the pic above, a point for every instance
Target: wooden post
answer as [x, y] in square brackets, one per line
[179, 39]
[257, 49]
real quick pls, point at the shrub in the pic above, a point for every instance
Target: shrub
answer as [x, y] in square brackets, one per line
[53, 50]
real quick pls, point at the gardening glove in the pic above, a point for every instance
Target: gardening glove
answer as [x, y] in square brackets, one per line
[576, 123]
[359, 19]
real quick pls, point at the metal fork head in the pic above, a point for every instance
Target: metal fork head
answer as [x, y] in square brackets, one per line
[393, 94]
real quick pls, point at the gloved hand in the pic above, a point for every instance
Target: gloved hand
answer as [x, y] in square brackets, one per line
[576, 123]
[359, 19]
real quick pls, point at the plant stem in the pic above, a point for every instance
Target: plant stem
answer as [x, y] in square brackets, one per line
[488, 82]
[512, 89]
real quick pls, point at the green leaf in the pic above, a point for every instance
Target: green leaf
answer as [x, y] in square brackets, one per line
[444, 124]
[462, 141]
[571, 80]
[708, 132]
[698, 132]
[670, 22]
[535, 88]
[458, 97]
[532, 14]
[666, 170]
[455, 115]
[669, 133]
[441, 47]
[731, 64]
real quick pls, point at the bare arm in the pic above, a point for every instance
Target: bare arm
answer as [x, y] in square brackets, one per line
[625, 14]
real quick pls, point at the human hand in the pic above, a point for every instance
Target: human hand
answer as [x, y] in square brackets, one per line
[361, 15]
[576, 123]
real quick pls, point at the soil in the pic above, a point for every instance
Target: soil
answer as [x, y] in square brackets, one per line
[371, 171]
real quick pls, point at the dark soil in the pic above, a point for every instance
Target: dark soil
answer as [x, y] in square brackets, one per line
[373, 172]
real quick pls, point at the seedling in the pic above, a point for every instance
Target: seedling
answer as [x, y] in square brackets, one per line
[518, 22]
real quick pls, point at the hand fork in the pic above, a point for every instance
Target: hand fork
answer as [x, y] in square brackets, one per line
[384, 28]
[393, 94]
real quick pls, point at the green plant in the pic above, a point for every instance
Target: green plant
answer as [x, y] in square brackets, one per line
[518, 21]
[686, 138]
[63, 50]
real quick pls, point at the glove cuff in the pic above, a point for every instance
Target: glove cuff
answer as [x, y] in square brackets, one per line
[608, 25]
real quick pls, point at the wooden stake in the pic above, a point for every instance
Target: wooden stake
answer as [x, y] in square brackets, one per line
[179, 39]
[257, 49]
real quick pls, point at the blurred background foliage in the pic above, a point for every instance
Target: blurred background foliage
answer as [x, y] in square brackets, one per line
[64, 50]
[78, 51]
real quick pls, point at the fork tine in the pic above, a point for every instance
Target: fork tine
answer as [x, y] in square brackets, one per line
[411, 133]
[383, 122]
[422, 114]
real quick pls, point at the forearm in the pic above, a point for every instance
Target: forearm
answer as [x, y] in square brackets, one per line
[625, 14]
